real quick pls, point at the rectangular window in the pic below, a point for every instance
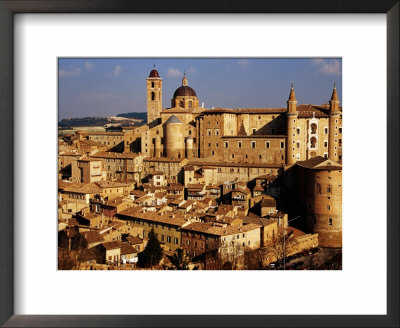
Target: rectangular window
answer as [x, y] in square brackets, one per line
[326, 130]
[298, 144]
[209, 132]
[325, 144]
[239, 144]
[226, 144]
[253, 144]
[328, 207]
[267, 144]
[330, 221]
[217, 132]
[340, 130]
[254, 131]
[328, 189]
[282, 144]
[168, 239]
[175, 241]
[298, 130]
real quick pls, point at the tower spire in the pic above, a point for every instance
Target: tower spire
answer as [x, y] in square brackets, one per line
[334, 93]
[292, 95]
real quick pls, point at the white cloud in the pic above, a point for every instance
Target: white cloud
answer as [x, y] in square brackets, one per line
[89, 66]
[317, 61]
[173, 72]
[69, 73]
[328, 66]
[117, 70]
[243, 63]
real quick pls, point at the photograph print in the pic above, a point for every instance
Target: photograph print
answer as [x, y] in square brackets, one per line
[199, 164]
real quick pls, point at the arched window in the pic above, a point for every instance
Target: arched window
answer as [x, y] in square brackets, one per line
[152, 84]
[181, 104]
[313, 142]
[190, 104]
[153, 96]
[313, 128]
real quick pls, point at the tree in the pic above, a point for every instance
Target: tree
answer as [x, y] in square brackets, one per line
[281, 245]
[179, 260]
[152, 254]
[231, 255]
[254, 258]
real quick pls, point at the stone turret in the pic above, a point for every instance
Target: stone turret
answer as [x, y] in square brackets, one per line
[334, 117]
[291, 121]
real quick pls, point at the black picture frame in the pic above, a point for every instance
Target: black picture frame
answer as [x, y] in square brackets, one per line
[10, 7]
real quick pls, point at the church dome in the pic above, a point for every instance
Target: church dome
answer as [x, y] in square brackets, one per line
[173, 119]
[154, 73]
[183, 91]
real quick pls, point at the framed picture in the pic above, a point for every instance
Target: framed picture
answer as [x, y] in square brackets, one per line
[37, 294]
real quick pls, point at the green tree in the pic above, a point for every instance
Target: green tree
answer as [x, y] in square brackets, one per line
[179, 260]
[152, 254]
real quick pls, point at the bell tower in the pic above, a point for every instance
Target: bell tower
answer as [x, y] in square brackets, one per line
[154, 96]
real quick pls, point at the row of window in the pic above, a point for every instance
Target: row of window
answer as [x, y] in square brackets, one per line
[319, 189]
[253, 144]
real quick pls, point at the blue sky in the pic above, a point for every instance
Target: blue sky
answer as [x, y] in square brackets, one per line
[109, 86]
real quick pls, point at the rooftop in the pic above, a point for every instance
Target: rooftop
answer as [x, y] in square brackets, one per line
[320, 163]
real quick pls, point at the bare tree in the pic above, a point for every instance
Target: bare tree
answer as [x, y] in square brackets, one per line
[254, 258]
[281, 246]
[231, 255]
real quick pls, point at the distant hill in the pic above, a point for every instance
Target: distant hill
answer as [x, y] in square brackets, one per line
[139, 115]
[83, 121]
[123, 119]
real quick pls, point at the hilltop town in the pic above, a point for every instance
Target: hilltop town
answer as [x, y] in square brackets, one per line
[204, 189]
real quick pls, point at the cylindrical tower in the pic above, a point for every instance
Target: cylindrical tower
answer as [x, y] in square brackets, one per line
[291, 121]
[189, 147]
[334, 117]
[173, 138]
[158, 147]
[324, 212]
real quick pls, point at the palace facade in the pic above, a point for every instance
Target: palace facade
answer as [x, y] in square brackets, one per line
[267, 136]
